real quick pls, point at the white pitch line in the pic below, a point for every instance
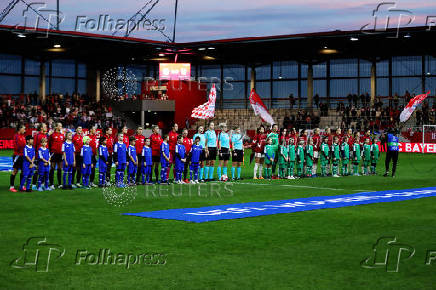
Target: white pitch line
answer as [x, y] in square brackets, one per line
[289, 185]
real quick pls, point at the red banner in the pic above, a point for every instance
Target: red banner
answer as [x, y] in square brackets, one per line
[6, 144]
[415, 148]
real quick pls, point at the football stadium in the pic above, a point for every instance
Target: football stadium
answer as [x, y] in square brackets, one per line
[217, 145]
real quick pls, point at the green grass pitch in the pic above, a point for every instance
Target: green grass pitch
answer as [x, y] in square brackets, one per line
[319, 249]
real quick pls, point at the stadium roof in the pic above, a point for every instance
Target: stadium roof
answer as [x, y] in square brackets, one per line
[307, 47]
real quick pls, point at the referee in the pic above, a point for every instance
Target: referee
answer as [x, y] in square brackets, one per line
[392, 144]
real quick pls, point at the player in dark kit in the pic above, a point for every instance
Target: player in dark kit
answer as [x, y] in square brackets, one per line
[393, 148]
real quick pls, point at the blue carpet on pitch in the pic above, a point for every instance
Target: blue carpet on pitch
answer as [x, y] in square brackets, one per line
[252, 209]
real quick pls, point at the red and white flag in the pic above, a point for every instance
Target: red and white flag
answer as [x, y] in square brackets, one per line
[260, 108]
[206, 110]
[411, 106]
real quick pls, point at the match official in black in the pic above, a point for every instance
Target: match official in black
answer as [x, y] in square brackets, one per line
[392, 145]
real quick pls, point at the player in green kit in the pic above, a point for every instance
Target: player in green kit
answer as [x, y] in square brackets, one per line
[335, 156]
[345, 155]
[300, 159]
[324, 156]
[291, 155]
[356, 155]
[375, 155]
[274, 136]
[283, 159]
[269, 158]
[309, 157]
[366, 157]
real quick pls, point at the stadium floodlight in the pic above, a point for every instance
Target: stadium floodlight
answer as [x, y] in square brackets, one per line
[424, 127]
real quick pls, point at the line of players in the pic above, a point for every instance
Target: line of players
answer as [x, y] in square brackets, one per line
[76, 155]
[338, 154]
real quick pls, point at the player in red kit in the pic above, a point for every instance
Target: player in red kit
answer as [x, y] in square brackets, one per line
[187, 142]
[78, 144]
[93, 144]
[329, 136]
[155, 142]
[125, 136]
[110, 150]
[294, 135]
[55, 142]
[258, 146]
[365, 137]
[37, 143]
[41, 134]
[17, 158]
[339, 135]
[303, 137]
[284, 135]
[172, 142]
[139, 144]
[350, 145]
[316, 146]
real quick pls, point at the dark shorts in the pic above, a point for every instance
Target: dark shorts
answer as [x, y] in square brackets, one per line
[238, 156]
[139, 158]
[155, 158]
[202, 155]
[172, 157]
[79, 160]
[224, 154]
[212, 153]
[18, 162]
[57, 157]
